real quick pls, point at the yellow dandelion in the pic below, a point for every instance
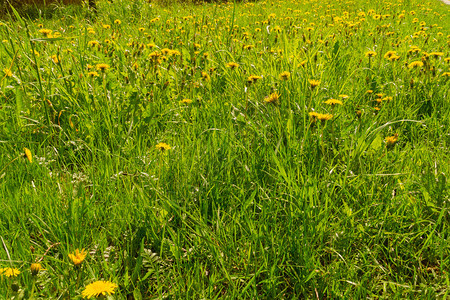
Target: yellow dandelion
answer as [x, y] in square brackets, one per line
[78, 256]
[117, 21]
[370, 54]
[35, 268]
[285, 75]
[232, 65]
[56, 58]
[314, 83]
[389, 54]
[93, 43]
[28, 154]
[415, 64]
[93, 74]
[8, 72]
[446, 74]
[98, 288]
[46, 32]
[391, 140]
[253, 78]
[102, 67]
[333, 102]
[313, 116]
[154, 55]
[436, 54]
[302, 63]
[163, 147]
[174, 52]
[394, 57]
[9, 272]
[186, 101]
[205, 76]
[324, 117]
[272, 98]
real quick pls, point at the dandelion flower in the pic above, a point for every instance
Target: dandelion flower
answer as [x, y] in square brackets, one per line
[253, 78]
[415, 64]
[78, 256]
[391, 140]
[93, 43]
[370, 54]
[98, 288]
[302, 63]
[163, 147]
[186, 101]
[314, 83]
[232, 65]
[285, 75]
[117, 21]
[272, 98]
[9, 272]
[93, 74]
[46, 32]
[56, 58]
[333, 102]
[205, 76]
[324, 117]
[102, 67]
[313, 115]
[394, 57]
[389, 54]
[8, 72]
[28, 154]
[436, 54]
[35, 268]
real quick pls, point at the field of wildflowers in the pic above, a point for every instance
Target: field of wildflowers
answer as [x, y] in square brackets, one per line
[269, 149]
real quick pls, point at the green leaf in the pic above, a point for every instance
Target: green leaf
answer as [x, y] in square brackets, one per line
[377, 142]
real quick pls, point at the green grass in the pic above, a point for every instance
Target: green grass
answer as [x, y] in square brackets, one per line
[254, 199]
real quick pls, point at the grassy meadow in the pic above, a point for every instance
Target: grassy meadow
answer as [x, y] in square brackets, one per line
[294, 149]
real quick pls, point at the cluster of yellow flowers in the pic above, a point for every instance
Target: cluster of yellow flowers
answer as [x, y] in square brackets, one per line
[94, 289]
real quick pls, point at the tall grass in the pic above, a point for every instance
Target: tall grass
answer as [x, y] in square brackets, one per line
[262, 189]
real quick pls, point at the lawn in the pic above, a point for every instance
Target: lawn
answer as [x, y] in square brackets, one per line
[273, 149]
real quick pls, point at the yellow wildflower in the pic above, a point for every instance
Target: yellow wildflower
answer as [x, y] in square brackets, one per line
[333, 102]
[314, 83]
[391, 140]
[102, 67]
[163, 147]
[272, 98]
[232, 65]
[98, 288]
[35, 268]
[78, 256]
[9, 272]
[415, 64]
[370, 54]
[285, 75]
